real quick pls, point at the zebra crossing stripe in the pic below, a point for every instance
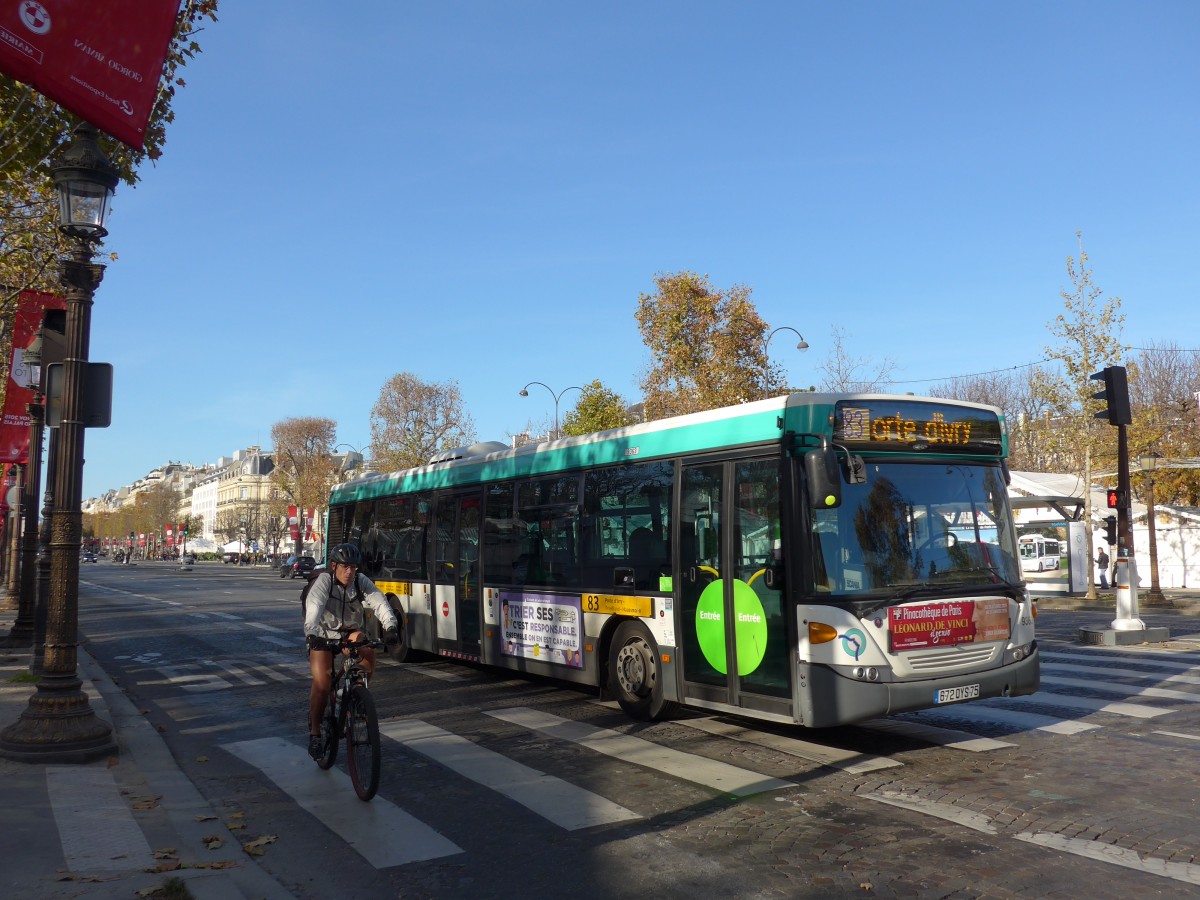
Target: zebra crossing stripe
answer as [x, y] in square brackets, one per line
[1070, 701]
[97, 831]
[685, 766]
[833, 757]
[1124, 689]
[947, 737]
[1025, 721]
[1138, 674]
[564, 804]
[382, 833]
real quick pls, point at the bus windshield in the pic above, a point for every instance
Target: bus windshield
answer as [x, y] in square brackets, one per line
[911, 524]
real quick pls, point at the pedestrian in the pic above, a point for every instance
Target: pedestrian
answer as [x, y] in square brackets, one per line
[1102, 565]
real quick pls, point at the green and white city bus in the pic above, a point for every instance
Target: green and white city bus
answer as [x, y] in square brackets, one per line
[816, 559]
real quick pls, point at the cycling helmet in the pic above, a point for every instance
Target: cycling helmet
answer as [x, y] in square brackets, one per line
[346, 554]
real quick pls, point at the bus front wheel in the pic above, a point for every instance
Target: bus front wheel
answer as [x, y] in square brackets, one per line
[635, 675]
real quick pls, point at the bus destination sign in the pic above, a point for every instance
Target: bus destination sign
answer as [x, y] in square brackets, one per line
[917, 425]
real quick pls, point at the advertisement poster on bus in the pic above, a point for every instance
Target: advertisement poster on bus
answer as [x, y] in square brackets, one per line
[543, 627]
[948, 623]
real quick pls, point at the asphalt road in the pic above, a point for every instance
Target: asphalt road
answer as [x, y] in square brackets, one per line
[497, 786]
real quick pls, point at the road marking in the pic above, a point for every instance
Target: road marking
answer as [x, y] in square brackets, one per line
[1118, 856]
[96, 828]
[266, 627]
[945, 811]
[946, 737]
[1140, 674]
[278, 642]
[564, 804]
[832, 757]
[1186, 737]
[429, 672]
[382, 833]
[1025, 721]
[1123, 689]
[686, 766]
[1048, 698]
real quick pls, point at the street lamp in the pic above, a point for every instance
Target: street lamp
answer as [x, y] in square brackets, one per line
[557, 397]
[801, 345]
[59, 725]
[1149, 463]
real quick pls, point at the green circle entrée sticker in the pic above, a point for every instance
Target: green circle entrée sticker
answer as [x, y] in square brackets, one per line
[750, 627]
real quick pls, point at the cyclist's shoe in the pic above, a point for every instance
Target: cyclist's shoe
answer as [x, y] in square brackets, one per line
[316, 746]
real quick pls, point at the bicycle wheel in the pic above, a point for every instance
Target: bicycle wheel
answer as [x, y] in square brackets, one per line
[329, 733]
[362, 742]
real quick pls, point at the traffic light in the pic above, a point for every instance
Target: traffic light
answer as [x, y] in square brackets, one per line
[1117, 498]
[1115, 394]
[1110, 530]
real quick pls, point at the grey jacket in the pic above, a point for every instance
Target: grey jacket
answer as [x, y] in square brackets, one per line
[329, 609]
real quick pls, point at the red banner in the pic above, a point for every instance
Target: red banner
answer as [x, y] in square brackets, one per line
[14, 427]
[102, 61]
[948, 623]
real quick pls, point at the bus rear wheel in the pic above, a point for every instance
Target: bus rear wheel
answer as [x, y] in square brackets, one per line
[634, 673]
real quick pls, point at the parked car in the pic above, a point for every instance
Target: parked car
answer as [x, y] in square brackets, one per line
[297, 565]
[229, 557]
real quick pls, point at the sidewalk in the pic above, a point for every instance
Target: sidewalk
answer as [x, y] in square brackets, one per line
[117, 827]
[1184, 601]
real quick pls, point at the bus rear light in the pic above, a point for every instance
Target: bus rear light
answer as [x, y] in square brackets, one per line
[820, 633]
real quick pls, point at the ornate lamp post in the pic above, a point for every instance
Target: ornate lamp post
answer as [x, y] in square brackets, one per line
[59, 724]
[1148, 463]
[557, 397]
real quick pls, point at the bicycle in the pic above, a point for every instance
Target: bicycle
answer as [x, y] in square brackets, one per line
[350, 712]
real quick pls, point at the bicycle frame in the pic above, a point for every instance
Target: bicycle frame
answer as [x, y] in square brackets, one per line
[349, 691]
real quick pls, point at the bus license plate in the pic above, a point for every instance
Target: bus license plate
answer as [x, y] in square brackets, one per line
[954, 694]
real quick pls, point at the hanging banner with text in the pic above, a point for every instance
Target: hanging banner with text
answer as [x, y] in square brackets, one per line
[14, 427]
[101, 61]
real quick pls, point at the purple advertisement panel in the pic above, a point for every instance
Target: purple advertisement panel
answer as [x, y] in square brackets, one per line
[545, 627]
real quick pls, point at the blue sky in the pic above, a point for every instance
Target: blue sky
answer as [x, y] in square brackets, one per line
[479, 191]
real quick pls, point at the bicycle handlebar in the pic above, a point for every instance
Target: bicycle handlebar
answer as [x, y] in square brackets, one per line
[334, 646]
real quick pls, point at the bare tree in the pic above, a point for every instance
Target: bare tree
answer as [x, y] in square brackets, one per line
[843, 372]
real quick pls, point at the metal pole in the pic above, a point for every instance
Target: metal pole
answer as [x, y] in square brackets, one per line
[12, 596]
[23, 628]
[38, 659]
[59, 725]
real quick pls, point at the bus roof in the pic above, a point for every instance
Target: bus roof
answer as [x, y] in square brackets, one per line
[759, 423]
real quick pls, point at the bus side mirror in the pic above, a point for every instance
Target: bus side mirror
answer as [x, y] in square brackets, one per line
[824, 478]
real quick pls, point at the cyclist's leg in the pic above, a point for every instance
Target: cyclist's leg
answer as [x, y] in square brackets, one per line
[320, 665]
[365, 654]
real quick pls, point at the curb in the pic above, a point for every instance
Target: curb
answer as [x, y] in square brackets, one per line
[188, 812]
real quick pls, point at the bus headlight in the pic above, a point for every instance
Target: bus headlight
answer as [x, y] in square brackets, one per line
[865, 673]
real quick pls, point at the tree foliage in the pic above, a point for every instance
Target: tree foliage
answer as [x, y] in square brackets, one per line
[706, 347]
[413, 419]
[598, 409]
[304, 467]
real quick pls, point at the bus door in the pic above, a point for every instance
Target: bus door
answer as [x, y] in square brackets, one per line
[456, 570]
[736, 639]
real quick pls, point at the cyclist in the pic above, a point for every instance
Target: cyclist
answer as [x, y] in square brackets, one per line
[334, 607]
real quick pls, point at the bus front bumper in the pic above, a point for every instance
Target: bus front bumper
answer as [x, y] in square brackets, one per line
[834, 699]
